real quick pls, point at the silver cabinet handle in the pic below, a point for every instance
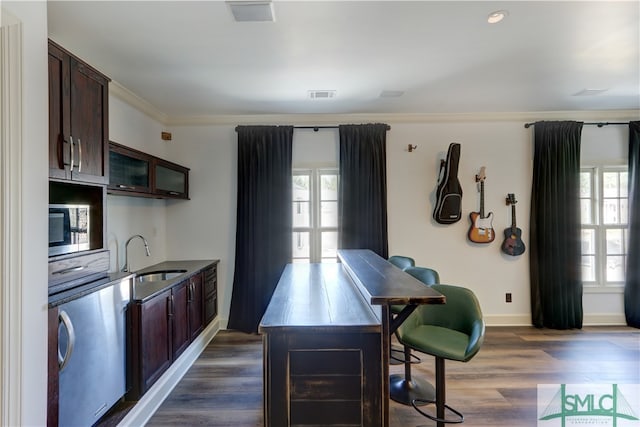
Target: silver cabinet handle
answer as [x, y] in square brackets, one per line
[174, 193]
[63, 317]
[70, 269]
[126, 186]
[79, 155]
[72, 155]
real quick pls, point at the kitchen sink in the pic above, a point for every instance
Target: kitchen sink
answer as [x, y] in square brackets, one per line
[155, 276]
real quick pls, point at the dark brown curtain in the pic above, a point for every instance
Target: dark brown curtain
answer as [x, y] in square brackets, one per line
[555, 256]
[362, 200]
[264, 220]
[632, 285]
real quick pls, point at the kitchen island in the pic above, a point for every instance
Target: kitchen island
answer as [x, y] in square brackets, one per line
[326, 340]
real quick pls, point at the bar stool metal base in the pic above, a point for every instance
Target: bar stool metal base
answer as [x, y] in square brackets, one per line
[405, 392]
[420, 402]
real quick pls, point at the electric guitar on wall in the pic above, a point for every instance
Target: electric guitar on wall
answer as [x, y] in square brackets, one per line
[513, 244]
[481, 230]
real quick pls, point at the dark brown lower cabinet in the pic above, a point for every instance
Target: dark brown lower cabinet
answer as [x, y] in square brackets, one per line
[210, 294]
[162, 328]
[181, 336]
[151, 342]
[196, 305]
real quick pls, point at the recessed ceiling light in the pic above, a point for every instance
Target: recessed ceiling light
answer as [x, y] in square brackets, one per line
[497, 16]
[252, 11]
[322, 94]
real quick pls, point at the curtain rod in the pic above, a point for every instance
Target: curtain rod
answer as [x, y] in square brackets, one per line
[317, 128]
[599, 124]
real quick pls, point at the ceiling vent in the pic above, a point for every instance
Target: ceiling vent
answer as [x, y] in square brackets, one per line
[590, 92]
[391, 93]
[252, 11]
[322, 94]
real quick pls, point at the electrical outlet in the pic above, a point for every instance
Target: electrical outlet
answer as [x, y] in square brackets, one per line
[507, 297]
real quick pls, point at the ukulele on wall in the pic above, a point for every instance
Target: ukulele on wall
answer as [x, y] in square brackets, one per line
[481, 230]
[513, 244]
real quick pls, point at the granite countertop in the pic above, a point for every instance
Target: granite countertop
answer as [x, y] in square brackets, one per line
[143, 291]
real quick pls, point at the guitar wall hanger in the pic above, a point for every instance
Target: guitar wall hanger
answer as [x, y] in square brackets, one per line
[410, 148]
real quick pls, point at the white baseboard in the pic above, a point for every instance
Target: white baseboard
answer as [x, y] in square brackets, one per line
[525, 320]
[140, 414]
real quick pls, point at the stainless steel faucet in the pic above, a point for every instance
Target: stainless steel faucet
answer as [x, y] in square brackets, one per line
[125, 268]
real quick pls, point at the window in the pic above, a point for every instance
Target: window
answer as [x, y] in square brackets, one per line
[315, 215]
[604, 215]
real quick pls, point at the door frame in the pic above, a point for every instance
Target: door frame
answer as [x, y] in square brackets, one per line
[11, 327]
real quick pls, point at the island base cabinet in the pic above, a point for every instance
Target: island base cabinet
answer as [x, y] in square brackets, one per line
[329, 379]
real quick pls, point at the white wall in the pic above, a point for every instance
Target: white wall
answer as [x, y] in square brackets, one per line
[31, 403]
[126, 215]
[204, 227]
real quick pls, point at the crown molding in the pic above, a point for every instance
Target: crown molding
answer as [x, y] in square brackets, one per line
[137, 102]
[124, 94]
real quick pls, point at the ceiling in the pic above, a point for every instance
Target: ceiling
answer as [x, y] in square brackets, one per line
[191, 59]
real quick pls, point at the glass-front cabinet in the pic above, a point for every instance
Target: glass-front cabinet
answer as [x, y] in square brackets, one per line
[135, 173]
[129, 170]
[171, 180]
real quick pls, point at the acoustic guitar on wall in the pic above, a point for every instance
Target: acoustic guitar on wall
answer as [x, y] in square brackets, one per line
[513, 244]
[481, 230]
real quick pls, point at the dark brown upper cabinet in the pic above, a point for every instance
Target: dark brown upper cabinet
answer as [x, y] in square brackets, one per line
[78, 119]
[135, 173]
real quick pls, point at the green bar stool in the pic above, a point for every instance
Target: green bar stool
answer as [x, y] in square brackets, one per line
[452, 331]
[405, 388]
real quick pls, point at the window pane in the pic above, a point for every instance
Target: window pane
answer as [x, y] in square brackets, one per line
[614, 242]
[329, 241]
[624, 211]
[585, 211]
[328, 214]
[588, 269]
[301, 187]
[610, 184]
[588, 242]
[610, 213]
[301, 216]
[624, 189]
[615, 269]
[329, 187]
[301, 245]
[585, 184]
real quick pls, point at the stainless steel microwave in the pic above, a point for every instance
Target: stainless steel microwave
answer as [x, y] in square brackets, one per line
[69, 228]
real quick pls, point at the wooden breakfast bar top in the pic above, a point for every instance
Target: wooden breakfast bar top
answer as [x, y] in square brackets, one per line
[326, 340]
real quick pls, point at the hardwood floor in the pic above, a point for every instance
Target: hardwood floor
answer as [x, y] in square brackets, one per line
[498, 387]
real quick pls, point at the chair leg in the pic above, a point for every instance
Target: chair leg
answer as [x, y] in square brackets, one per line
[441, 394]
[440, 399]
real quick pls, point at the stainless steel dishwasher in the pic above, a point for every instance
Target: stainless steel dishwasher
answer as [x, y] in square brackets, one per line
[92, 354]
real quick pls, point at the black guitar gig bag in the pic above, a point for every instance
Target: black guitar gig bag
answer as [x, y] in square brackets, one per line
[448, 207]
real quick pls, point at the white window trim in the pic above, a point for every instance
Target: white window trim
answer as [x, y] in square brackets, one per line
[314, 230]
[600, 286]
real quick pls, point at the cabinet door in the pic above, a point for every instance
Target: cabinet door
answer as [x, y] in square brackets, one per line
[170, 179]
[210, 295]
[89, 117]
[59, 148]
[155, 354]
[129, 170]
[180, 318]
[196, 305]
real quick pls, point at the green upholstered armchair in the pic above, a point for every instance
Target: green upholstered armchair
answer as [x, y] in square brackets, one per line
[454, 331]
